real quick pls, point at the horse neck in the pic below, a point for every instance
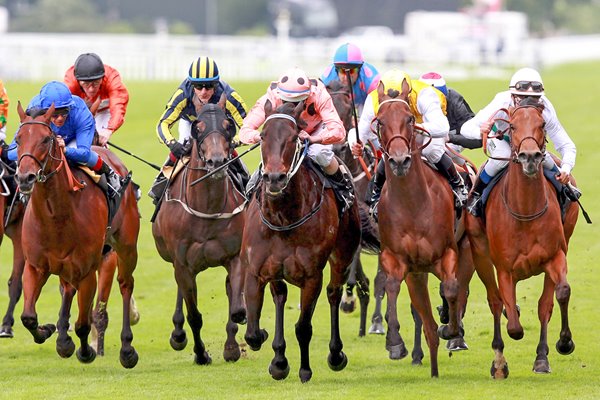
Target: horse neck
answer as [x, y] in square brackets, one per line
[208, 195]
[411, 190]
[53, 199]
[523, 194]
[297, 199]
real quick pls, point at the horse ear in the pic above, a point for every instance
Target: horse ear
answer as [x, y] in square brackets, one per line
[222, 101]
[380, 91]
[405, 89]
[298, 110]
[49, 113]
[20, 111]
[268, 108]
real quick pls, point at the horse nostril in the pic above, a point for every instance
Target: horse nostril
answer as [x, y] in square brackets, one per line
[210, 163]
[406, 162]
[281, 178]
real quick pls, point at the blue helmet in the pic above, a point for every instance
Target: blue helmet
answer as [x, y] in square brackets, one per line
[348, 55]
[57, 93]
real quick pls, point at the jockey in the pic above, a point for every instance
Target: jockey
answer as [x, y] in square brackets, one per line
[428, 105]
[364, 76]
[73, 124]
[203, 85]
[526, 82]
[324, 127]
[458, 112]
[100, 86]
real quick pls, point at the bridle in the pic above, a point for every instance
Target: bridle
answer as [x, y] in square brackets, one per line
[41, 176]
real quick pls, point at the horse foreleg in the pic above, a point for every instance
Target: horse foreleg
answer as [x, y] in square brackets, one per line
[348, 303]
[508, 291]
[417, 352]
[231, 350]
[309, 295]
[394, 343]
[447, 274]
[279, 367]
[106, 274]
[235, 277]
[254, 292]
[33, 281]
[378, 293]
[336, 360]
[545, 305]
[419, 297]
[186, 281]
[85, 299]
[178, 338]
[362, 290]
[15, 287]
[65, 347]
[127, 356]
[565, 344]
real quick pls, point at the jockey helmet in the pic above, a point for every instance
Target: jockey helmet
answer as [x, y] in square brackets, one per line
[393, 78]
[88, 67]
[204, 69]
[293, 86]
[526, 82]
[436, 80]
[348, 56]
[57, 93]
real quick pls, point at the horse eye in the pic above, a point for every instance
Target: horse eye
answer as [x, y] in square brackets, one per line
[47, 140]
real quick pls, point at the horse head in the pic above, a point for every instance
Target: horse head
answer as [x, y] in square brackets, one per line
[342, 101]
[395, 127]
[214, 134]
[280, 146]
[527, 135]
[38, 151]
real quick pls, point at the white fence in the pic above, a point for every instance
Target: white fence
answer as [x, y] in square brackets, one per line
[164, 57]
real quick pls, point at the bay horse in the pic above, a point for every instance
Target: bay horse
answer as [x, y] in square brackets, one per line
[292, 229]
[524, 236]
[200, 226]
[416, 225]
[65, 232]
[342, 101]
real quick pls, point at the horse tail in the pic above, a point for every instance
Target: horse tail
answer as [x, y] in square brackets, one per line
[370, 231]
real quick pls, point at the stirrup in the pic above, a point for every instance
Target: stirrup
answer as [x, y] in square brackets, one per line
[373, 211]
[474, 205]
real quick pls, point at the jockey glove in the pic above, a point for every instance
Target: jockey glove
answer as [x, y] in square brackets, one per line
[176, 148]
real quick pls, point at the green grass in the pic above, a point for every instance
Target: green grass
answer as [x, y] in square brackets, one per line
[36, 371]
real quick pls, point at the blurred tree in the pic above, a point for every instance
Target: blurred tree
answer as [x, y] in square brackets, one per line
[242, 15]
[63, 16]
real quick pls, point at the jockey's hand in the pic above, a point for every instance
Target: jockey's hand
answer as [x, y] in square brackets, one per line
[103, 136]
[176, 148]
[564, 177]
[303, 135]
[357, 149]
[485, 128]
[61, 142]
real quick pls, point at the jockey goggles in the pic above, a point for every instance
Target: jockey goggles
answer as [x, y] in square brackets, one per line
[351, 70]
[61, 112]
[204, 85]
[526, 85]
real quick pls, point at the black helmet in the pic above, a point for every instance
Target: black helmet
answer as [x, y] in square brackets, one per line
[89, 67]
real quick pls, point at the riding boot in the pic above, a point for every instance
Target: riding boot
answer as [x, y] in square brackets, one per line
[240, 172]
[474, 202]
[374, 189]
[343, 188]
[113, 180]
[160, 184]
[447, 168]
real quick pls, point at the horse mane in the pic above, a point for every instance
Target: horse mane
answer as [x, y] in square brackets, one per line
[336, 85]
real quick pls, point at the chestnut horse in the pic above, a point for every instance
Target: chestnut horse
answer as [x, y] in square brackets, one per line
[12, 229]
[293, 228]
[524, 236]
[416, 225]
[342, 101]
[65, 233]
[200, 226]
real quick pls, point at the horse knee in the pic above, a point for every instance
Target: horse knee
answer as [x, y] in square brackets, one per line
[563, 292]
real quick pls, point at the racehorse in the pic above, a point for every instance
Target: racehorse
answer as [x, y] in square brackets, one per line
[200, 226]
[13, 231]
[416, 225]
[524, 236]
[342, 101]
[61, 236]
[293, 228]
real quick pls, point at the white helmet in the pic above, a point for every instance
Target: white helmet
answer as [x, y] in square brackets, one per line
[526, 82]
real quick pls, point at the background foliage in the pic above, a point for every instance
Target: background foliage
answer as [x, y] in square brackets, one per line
[36, 371]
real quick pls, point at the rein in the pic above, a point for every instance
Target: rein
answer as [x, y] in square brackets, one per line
[522, 217]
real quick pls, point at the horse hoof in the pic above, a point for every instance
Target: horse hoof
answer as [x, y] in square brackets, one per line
[129, 358]
[239, 317]
[397, 352]
[499, 372]
[565, 347]
[457, 344]
[348, 304]
[417, 358]
[305, 375]
[65, 349]
[255, 342]
[377, 329]
[443, 332]
[6, 332]
[44, 332]
[541, 367]
[204, 360]
[339, 365]
[278, 373]
[178, 343]
[232, 353]
[86, 358]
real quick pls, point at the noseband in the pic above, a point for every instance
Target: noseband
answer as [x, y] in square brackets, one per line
[40, 175]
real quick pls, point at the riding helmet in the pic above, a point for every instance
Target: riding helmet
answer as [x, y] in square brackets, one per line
[57, 93]
[204, 69]
[88, 67]
[293, 86]
[349, 56]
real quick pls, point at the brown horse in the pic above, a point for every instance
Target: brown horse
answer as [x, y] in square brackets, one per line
[200, 226]
[342, 101]
[524, 236]
[13, 231]
[416, 224]
[62, 237]
[293, 229]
